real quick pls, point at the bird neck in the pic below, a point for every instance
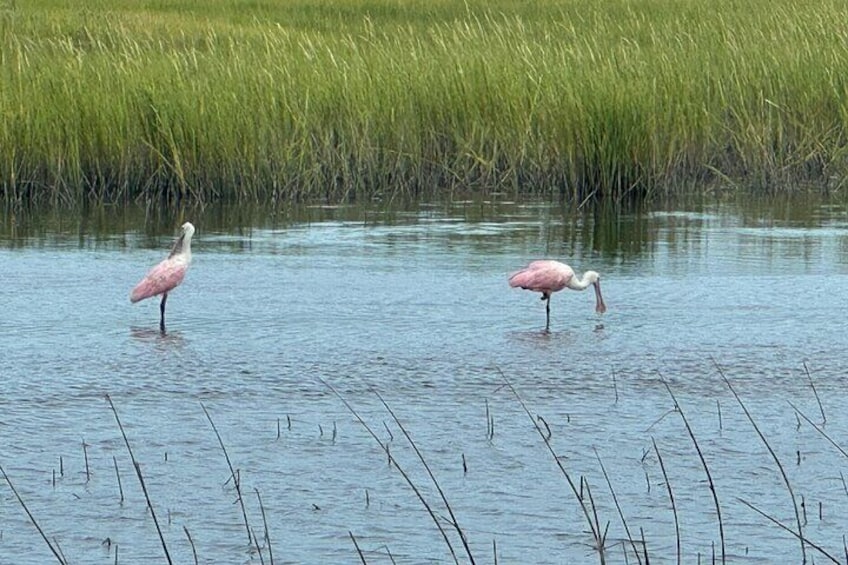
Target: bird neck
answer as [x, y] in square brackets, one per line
[182, 247]
[580, 283]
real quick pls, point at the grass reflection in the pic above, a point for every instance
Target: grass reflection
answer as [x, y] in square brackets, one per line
[612, 233]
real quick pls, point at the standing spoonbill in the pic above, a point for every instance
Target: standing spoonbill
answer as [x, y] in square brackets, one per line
[548, 277]
[165, 276]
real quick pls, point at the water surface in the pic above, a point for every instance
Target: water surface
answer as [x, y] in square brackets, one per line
[414, 304]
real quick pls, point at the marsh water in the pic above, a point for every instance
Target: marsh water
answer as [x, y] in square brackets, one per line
[279, 310]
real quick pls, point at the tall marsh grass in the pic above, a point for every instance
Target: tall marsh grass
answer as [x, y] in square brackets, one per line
[243, 100]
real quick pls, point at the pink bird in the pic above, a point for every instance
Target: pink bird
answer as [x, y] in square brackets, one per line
[165, 276]
[550, 276]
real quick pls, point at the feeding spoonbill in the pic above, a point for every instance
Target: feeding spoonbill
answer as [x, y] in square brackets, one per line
[550, 276]
[165, 276]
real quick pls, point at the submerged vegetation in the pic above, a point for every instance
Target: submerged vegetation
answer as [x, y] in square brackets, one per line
[113, 101]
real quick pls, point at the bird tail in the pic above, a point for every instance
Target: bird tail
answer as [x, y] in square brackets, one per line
[140, 292]
[518, 279]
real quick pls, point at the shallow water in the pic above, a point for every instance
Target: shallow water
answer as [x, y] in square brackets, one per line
[414, 304]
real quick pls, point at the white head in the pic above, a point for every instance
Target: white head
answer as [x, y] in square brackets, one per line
[591, 277]
[188, 230]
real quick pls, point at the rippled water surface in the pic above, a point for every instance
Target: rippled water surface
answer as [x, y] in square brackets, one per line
[414, 306]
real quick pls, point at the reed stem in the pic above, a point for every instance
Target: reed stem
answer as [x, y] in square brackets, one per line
[53, 549]
[233, 475]
[137, 468]
[773, 456]
[704, 465]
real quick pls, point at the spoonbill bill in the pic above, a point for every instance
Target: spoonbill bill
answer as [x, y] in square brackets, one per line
[165, 276]
[548, 276]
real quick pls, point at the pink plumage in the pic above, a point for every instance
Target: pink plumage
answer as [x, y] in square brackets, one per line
[165, 276]
[162, 278]
[548, 276]
[542, 276]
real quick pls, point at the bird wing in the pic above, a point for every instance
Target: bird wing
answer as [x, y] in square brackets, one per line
[161, 278]
[542, 276]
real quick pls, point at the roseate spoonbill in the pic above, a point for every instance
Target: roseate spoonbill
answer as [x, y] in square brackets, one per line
[165, 276]
[548, 277]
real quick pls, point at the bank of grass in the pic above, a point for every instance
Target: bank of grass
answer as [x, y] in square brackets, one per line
[207, 100]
